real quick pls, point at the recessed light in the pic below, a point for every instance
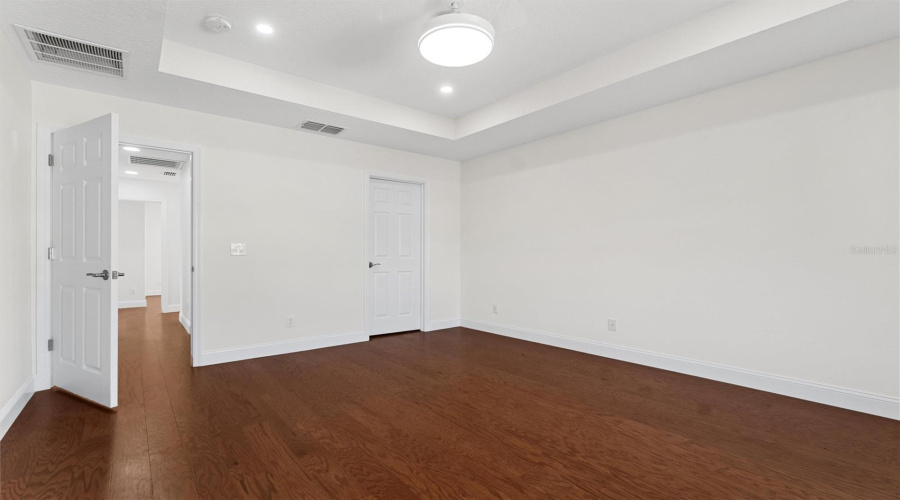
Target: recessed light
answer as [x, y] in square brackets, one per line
[131, 172]
[265, 29]
[131, 148]
[446, 89]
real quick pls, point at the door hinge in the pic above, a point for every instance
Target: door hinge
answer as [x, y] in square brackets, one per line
[50, 253]
[50, 160]
[50, 344]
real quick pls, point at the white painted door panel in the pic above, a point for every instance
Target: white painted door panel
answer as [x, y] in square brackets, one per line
[84, 313]
[394, 284]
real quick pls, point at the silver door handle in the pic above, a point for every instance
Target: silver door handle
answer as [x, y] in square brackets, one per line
[373, 265]
[104, 275]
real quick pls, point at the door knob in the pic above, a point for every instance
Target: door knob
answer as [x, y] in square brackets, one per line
[104, 275]
[373, 265]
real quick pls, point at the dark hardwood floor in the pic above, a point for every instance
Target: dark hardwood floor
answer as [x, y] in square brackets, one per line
[452, 414]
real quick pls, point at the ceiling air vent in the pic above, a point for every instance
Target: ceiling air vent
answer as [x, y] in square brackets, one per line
[170, 174]
[331, 129]
[154, 162]
[321, 127]
[57, 49]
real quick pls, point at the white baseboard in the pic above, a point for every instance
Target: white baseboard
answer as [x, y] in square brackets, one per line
[830, 395]
[126, 304]
[275, 348]
[442, 324]
[171, 308]
[14, 406]
[186, 323]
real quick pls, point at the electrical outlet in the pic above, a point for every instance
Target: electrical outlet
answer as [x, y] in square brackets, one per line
[133, 291]
[611, 325]
[289, 322]
[496, 309]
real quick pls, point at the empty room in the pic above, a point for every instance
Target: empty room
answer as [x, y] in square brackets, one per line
[398, 249]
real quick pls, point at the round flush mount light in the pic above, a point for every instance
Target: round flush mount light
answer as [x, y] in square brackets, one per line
[131, 172]
[131, 149]
[217, 23]
[446, 89]
[456, 39]
[265, 29]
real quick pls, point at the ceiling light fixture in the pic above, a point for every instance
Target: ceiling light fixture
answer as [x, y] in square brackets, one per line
[456, 39]
[131, 172]
[446, 89]
[131, 148]
[265, 29]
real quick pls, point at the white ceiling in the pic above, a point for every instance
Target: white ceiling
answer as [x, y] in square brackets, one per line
[557, 65]
[370, 47]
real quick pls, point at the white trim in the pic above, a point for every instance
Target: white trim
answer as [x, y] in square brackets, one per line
[426, 238]
[43, 236]
[14, 406]
[196, 312]
[171, 308]
[442, 324]
[128, 304]
[153, 293]
[820, 393]
[186, 323]
[276, 348]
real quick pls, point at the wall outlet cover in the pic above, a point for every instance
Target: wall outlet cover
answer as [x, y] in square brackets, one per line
[611, 325]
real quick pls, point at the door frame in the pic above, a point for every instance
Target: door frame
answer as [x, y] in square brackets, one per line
[43, 236]
[423, 260]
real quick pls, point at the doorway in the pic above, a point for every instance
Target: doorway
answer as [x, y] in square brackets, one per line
[67, 357]
[154, 227]
[395, 254]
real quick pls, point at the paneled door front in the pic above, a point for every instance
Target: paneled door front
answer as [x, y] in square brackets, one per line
[83, 303]
[394, 282]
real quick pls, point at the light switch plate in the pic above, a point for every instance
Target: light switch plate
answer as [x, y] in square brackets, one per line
[238, 249]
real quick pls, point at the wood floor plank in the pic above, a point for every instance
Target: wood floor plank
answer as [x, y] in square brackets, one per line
[450, 414]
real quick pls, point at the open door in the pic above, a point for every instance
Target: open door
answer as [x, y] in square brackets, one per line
[84, 256]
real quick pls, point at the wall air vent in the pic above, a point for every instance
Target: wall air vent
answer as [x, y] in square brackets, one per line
[64, 51]
[321, 127]
[154, 162]
[170, 174]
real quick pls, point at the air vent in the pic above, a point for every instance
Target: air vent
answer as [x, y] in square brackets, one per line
[321, 127]
[330, 129]
[170, 174]
[154, 162]
[57, 49]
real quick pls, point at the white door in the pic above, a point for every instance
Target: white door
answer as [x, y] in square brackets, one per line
[84, 313]
[394, 284]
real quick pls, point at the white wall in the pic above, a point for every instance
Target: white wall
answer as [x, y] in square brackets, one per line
[153, 248]
[132, 251]
[17, 269]
[297, 200]
[717, 228]
[166, 196]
